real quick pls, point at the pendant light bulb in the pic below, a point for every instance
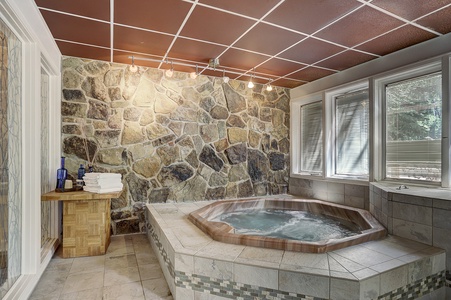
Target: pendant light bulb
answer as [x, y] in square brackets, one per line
[269, 87]
[170, 72]
[133, 67]
[250, 84]
[193, 75]
[225, 78]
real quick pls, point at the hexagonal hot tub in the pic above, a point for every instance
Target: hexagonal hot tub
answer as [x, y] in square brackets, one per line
[288, 224]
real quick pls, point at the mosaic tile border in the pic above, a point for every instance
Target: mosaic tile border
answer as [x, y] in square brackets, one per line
[448, 279]
[233, 290]
[162, 251]
[418, 288]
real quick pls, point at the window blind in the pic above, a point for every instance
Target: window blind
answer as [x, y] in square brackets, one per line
[311, 138]
[351, 134]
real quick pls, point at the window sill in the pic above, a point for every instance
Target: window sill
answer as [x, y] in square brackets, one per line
[363, 182]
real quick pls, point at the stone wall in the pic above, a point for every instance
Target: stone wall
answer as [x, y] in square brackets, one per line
[173, 139]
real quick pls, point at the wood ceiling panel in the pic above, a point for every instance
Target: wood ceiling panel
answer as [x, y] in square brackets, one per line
[311, 74]
[77, 50]
[409, 10]
[194, 50]
[251, 8]
[141, 41]
[241, 59]
[360, 26]
[398, 39]
[308, 16]
[67, 27]
[215, 26]
[439, 21]
[256, 39]
[279, 67]
[98, 9]
[311, 50]
[159, 15]
[346, 60]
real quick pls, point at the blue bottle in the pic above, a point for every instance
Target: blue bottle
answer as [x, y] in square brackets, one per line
[61, 176]
[81, 172]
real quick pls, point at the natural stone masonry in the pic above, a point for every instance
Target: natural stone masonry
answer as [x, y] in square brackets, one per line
[177, 139]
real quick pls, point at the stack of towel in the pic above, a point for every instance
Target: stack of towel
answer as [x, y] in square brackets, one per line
[102, 182]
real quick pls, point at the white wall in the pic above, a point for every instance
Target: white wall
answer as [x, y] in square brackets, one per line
[39, 48]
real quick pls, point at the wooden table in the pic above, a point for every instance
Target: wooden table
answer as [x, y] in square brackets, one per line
[86, 221]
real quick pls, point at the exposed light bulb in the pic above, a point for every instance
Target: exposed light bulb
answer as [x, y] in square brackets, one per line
[269, 88]
[224, 77]
[193, 75]
[250, 84]
[169, 73]
[133, 68]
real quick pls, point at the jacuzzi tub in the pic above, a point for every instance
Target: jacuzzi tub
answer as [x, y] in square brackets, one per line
[219, 231]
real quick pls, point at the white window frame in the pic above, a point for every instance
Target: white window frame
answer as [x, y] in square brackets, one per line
[295, 132]
[379, 119]
[329, 128]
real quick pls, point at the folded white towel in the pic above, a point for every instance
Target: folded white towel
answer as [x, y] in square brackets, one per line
[102, 175]
[102, 190]
[105, 186]
[102, 181]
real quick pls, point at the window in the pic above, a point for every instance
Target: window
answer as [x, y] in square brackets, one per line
[413, 128]
[351, 134]
[311, 138]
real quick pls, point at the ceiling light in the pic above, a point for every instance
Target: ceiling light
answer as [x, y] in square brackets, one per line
[170, 72]
[225, 78]
[250, 84]
[133, 67]
[193, 75]
[269, 86]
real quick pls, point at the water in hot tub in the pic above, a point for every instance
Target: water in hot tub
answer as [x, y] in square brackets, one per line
[287, 224]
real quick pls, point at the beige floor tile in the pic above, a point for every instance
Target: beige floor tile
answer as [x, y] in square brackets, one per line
[150, 271]
[94, 294]
[144, 258]
[50, 285]
[83, 281]
[120, 262]
[88, 264]
[120, 276]
[156, 289]
[127, 291]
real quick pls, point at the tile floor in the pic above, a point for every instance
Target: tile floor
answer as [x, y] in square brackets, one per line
[129, 271]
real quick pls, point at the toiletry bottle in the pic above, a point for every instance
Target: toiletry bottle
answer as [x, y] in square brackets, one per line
[61, 176]
[81, 173]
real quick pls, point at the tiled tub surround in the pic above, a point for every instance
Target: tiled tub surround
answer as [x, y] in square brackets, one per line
[197, 267]
[369, 226]
[417, 213]
[352, 195]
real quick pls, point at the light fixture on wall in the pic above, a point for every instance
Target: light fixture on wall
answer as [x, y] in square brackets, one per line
[170, 72]
[133, 67]
[193, 75]
[225, 78]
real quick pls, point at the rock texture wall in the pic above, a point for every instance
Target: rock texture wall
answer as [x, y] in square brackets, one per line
[173, 139]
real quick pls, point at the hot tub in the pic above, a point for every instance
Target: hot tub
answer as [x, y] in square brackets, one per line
[366, 227]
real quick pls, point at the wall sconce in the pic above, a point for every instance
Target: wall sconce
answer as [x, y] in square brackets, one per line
[133, 67]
